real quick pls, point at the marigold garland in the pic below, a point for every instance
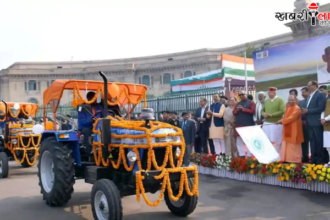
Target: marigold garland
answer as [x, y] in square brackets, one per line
[124, 93]
[151, 160]
[20, 110]
[20, 146]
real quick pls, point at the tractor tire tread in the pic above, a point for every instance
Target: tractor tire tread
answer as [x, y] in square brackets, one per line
[5, 165]
[63, 171]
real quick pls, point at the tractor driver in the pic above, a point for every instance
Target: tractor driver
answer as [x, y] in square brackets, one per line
[86, 121]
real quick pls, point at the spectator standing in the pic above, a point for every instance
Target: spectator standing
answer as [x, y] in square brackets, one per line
[167, 117]
[295, 93]
[259, 105]
[202, 126]
[224, 100]
[273, 111]
[215, 113]
[305, 144]
[188, 127]
[250, 97]
[244, 111]
[175, 118]
[323, 89]
[313, 111]
[229, 118]
[292, 132]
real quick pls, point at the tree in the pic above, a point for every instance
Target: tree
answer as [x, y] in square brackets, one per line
[249, 51]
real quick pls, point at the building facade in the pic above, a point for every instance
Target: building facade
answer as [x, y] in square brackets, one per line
[26, 81]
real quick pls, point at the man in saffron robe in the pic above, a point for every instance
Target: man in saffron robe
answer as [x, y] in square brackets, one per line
[244, 112]
[292, 132]
[216, 127]
[273, 111]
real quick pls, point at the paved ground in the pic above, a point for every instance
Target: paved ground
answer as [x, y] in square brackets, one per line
[220, 199]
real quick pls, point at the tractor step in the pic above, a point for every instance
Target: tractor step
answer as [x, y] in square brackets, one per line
[94, 173]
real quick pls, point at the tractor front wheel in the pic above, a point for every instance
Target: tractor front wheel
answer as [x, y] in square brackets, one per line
[185, 205]
[55, 172]
[4, 166]
[106, 201]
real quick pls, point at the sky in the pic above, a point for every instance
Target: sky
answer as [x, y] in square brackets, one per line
[65, 30]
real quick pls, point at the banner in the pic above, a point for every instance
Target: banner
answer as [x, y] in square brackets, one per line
[293, 65]
[258, 144]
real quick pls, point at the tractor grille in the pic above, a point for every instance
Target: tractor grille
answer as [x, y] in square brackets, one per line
[159, 154]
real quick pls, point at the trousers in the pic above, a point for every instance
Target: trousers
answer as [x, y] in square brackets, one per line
[219, 146]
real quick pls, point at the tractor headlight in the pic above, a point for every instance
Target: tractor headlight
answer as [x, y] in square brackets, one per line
[131, 156]
[178, 152]
[14, 141]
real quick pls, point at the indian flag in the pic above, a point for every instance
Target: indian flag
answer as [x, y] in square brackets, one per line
[233, 67]
[212, 79]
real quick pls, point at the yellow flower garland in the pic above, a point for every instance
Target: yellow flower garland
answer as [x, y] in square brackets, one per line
[151, 160]
[77, 95]
[20, 146]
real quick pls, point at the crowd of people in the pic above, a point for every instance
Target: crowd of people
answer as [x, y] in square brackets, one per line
[294, 127]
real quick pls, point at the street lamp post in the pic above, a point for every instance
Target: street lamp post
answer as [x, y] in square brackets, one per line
[229, 81]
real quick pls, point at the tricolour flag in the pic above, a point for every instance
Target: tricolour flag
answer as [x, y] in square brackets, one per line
[233, 67]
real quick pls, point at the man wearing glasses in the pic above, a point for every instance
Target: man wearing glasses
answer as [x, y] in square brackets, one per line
[273, 111]
[244, 112]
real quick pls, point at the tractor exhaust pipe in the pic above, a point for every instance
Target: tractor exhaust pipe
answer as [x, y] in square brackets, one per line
[106, 122]
[105, 102]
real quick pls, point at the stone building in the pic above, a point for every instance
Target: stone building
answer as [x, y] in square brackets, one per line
[26, 81]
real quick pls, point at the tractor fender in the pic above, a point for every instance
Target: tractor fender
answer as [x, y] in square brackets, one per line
[61, 136]
[69, 138]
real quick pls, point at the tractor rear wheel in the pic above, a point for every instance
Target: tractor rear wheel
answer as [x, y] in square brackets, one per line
[185, 205]
[4, 166]
[55, 172]
[106, 201]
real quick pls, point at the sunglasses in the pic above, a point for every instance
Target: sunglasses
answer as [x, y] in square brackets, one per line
[241, 94]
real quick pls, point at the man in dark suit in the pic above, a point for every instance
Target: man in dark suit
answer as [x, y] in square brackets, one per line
[202, 126]
[175, 119]
[315, 106]
[167, 117]
[188, 127]
[305, 144]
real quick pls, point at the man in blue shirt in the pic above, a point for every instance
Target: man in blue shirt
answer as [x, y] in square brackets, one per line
[86, 121]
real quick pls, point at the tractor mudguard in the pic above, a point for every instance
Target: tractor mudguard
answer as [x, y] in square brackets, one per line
[61, 136]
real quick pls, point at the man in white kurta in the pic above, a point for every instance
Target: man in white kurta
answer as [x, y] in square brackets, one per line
[258, 119]
[273, 111]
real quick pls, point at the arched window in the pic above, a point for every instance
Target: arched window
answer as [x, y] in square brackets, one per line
[33, 100]
[32, 85]
[167, 78]
[187, 74]
[146, 80]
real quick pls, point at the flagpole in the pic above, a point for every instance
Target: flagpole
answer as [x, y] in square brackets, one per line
[246, 82]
